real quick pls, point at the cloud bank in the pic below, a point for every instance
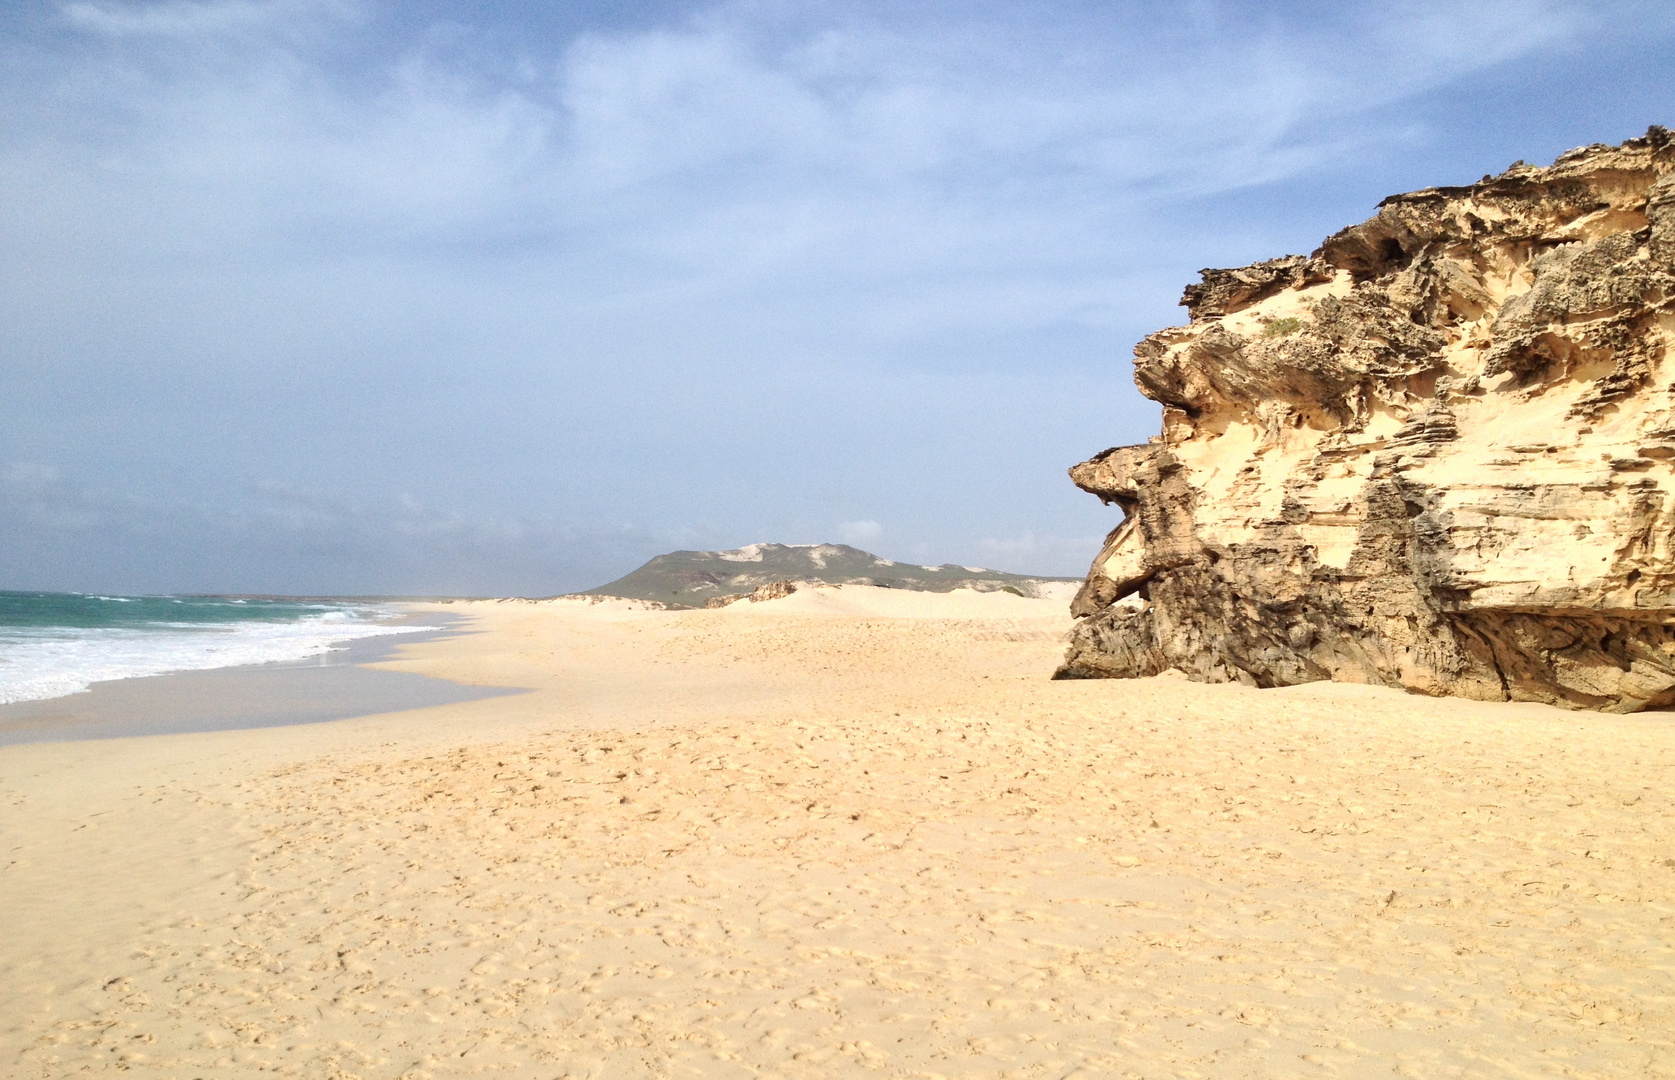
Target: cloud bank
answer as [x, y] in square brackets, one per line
[590, 282]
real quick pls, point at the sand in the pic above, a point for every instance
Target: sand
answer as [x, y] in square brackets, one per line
[847, 833]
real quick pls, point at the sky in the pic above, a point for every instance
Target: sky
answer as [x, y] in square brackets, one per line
[350, 297]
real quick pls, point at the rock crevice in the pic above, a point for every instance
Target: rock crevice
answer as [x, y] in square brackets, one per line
[1438, 453]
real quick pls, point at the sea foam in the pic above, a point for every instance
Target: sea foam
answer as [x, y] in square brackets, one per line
[39, 662]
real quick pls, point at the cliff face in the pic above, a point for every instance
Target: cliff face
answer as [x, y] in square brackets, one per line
[1438, 453]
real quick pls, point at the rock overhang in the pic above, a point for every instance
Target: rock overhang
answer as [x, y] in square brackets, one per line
[1437, 453]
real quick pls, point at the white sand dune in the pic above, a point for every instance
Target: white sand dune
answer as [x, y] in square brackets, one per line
[850, 832]
[865, 601]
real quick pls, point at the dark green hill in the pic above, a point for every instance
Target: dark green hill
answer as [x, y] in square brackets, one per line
[689, 578]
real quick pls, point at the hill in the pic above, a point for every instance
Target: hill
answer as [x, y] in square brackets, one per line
[689, 578]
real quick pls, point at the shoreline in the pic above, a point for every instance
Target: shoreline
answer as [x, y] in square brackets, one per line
[341, 684]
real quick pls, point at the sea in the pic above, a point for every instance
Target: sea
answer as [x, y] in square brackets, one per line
[56, 644]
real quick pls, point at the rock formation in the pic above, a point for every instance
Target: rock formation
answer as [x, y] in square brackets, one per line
[773, 590]
[1438, 453]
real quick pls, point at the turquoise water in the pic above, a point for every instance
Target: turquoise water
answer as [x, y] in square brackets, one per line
[52, 644]
[83, 610]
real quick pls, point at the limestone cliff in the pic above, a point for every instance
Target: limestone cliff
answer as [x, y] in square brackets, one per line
[1438, 453]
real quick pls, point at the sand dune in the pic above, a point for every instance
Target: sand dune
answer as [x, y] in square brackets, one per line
[851, 832]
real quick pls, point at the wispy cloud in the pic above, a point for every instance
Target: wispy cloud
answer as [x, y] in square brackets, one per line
[276, 537]
[725, 146]
[178, 19]
[758, 264]
[859, 532]
[1060, 556]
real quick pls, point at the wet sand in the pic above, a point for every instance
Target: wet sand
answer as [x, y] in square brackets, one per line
[335, 686]
[845, 833]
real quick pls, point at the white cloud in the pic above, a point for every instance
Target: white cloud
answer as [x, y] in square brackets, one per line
[859, 532]
[279, 537]
[709, 150]
[1035, 553]
[33, 496]
[759, 255]
[185, 19]
[28, 476]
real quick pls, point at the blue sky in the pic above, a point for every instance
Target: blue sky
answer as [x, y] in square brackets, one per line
[331, 296]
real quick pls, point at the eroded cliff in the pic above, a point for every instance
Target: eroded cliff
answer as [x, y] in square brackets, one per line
[1438, 453]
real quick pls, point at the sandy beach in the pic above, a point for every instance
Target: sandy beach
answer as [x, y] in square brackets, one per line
[850, 832]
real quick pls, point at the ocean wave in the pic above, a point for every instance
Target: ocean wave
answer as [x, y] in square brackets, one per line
[47, 662]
